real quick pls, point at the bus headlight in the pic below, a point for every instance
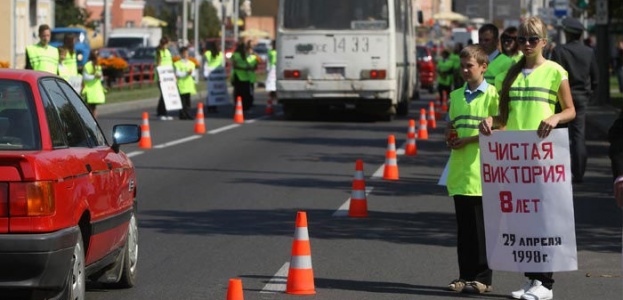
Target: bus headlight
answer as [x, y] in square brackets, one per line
[373, 74]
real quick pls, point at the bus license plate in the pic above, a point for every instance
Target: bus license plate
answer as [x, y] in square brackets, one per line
[335, 72]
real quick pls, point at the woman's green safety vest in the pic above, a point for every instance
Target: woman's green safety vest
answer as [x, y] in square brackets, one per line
[71, 64]
[214, 62]
[464, 166]
[43, 58]
[445, 72]
[252, 61]
[165, 60]
[93, 90]
[272, 57]
[533, 98]
[241, 67]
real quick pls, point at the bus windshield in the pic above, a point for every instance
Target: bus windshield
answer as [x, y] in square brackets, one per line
[335, 14]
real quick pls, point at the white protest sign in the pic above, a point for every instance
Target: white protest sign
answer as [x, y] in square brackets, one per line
[168, 86]
[217, 86]
[528, 201]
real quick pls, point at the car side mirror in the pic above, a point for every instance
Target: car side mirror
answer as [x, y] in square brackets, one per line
[125, 134]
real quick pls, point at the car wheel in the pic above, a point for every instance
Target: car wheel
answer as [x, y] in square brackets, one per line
[75, 286]
[130, 259]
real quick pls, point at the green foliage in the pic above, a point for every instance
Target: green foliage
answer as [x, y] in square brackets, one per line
[66, 13]
[209, 23]
[149, 11]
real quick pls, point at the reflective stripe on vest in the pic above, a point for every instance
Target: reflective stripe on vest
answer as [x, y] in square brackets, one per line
[43, 58]
[533, 98]
[464, 164]
[500, 64]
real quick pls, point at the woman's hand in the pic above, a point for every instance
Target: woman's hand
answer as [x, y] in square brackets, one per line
[485, 126]
[547, 125]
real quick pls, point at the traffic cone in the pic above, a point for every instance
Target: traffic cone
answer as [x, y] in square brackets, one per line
[422, 133]
[390, 172]
[269, 107]
[238, 115]
[200, 126]
[300, 274]
[234, 290]
[145, 141]
[358, 203]
[411, 147]
[432, 123]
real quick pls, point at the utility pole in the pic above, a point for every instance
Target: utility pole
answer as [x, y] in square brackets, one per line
[236, 16]
[223, 23]
[602, 18]
[106, 21]
[184, 22]
[197, 48]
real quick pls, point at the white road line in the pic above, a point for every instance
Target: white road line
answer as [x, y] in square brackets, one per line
[379, 172]
[134, 153]
[343, 210]
[277, 284]
[177, 142]
[224, 128]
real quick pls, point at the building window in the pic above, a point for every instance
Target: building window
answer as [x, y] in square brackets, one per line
[129, 24]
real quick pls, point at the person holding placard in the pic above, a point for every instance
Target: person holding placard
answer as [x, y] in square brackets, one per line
[163, 58]
[474, 101]
[529, 92]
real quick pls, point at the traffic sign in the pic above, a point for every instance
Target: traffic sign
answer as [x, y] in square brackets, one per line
[601, 12]
[561, 8]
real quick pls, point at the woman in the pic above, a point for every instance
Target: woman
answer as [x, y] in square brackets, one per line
[213, 61]
[531, 80]
[93, 91]
[164, 59]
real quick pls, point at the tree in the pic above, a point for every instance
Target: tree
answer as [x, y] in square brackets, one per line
[209, 23]
[66, 13]
[149, 11]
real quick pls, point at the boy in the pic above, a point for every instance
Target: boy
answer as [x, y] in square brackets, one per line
[185, 82]
[468, 105]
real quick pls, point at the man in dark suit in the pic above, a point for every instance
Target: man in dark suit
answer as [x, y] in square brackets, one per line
[581, 64]
[615, 137]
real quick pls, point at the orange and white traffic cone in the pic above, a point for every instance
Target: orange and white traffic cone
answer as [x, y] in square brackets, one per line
[234, 290]
[145, 141]
[200, 126]
[301, 274]
[422, 132]
[411, 147]
[269, 107]
[238, 115]
[390, 171]
[358, 207]
[432, 123]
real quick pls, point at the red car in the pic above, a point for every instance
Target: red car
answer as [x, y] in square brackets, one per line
[67, 197]
[426, 68]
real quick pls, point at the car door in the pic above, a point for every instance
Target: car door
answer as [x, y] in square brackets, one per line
[86, 142]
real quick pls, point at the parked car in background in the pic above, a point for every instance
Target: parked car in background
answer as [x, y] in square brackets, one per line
[68, 197]
[426, 68]
[114, 52]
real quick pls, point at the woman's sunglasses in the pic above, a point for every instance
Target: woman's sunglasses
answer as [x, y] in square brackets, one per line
[533, 40]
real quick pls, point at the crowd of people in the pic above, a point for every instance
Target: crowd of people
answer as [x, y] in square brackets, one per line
[62, 61]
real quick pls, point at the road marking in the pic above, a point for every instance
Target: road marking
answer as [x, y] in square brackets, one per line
[134, 153]
[277, 284]
[224, 128]
[343, 210]
[177, 142]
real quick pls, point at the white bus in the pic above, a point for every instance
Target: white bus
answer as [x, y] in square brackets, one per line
[357, 54]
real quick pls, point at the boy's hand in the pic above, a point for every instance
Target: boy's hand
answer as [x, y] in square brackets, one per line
[485, 126]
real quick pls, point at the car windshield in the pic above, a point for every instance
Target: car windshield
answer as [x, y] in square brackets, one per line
[343, 15]
[145, 53]
[126, 42]
[17, 118]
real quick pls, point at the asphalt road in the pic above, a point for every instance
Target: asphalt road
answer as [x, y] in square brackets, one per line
[223, 205]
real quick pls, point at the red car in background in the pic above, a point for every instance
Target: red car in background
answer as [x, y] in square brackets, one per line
[67, 197]
[426, 68]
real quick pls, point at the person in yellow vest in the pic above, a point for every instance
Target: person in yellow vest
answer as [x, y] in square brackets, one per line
[214, 58]
[253, 61]
[93, 91]
[445, 74]
[185, 82]
[532, 80]
[457, 77]
[70, 61]
[163, 58]
[271, 78]
[498, 62]
[63, 70]
[471, 103]
[42, 56]
[240, 75]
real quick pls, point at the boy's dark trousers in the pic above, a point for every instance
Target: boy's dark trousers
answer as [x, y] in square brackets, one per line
[185, 111]
[471, 244]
